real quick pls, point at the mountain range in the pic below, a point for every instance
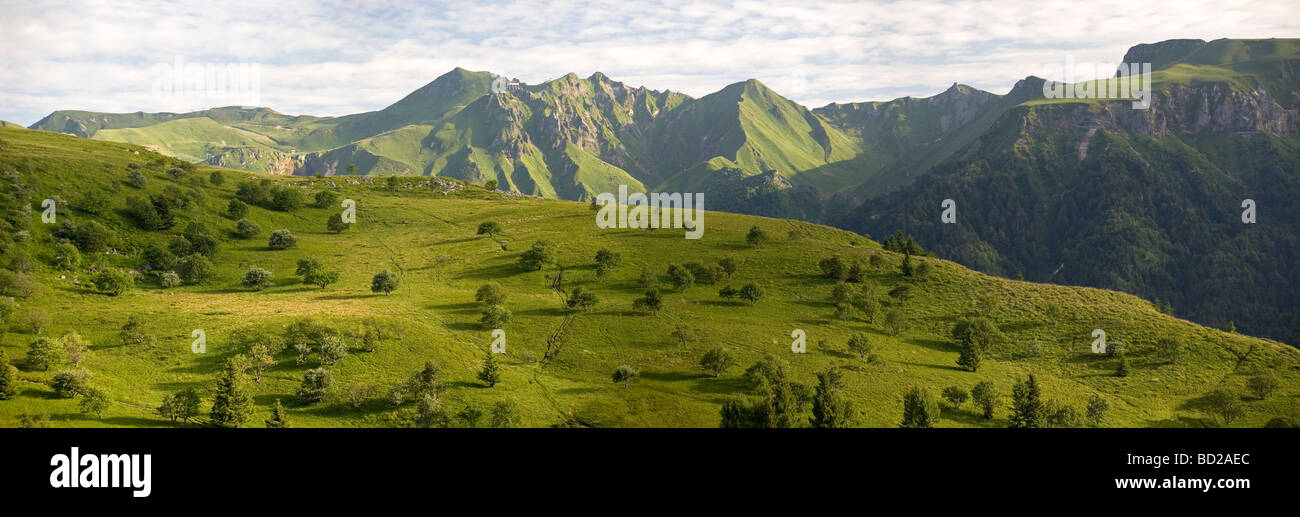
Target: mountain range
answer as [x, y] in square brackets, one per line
[1079, 191]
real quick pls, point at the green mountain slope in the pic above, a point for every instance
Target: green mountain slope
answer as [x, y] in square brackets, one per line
[1146, 201]
[557, 367]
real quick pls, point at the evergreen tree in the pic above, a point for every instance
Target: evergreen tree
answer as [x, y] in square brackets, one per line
[231, 403]
[8, 377]
[1122, 369]
[970, 356]
[1026, 404]
[907, 264]
[830, 407]
[278, 419]
[919, 410]
[491, 372]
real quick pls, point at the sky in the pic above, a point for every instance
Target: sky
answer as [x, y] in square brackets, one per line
[334, 58]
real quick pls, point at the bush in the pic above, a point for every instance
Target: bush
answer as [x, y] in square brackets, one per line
[256, 279]
[70, 383]
[756, 237]
[237, 209]
[286, 199]
[315, 384]
[245, 229]
[540, 254]
[716, 361]
[135, 178]
[1262, 385]
[113, 282]
[282, 240]
[326, 198]
[625, 373]
[332, 349]
[66, 257]
[495, 316]
[194, 268]
[491, 293]
[607, 260]
[833, 268]
[384, 282]
[42, 353]
[335, 223]
[169, 280]
[217, 178]
[16, 284]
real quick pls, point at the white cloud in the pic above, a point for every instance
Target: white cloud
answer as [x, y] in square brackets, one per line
[337, 57]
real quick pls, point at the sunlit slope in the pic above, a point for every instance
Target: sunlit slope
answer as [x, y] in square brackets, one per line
[430, 239]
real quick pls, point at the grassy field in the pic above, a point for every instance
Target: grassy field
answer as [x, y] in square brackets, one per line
[429, 238]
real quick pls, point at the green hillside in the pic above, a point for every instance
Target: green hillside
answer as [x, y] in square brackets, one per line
[426, 235]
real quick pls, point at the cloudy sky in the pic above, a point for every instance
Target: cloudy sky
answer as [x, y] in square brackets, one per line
[333, 58]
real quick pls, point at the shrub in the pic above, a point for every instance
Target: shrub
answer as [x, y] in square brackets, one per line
[66, 257]
[335, 223]
[606, 260]
[716, 361]
[256, 279]
[1262, 385]
[194, 268]
[315, 384]
[756, 237]
[541, 253]
[495, 316]
[217, 178]
[42, 353]
[245, 229]
[384, 282]
[70, 383]
[112, 282]
[282, 240]
[326, 198]
[237, 209]
[286, 199]
[169, 280]
[490, 293]
[625, 373]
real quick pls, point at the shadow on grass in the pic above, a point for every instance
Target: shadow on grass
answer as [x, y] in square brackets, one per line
[347, 296]
[719, 385]
[674, 376]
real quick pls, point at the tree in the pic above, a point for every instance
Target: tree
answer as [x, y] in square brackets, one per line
[830, 408]
[384, 282]
[919, 409]
[751, 293]
[70, 383]
[135, 179]
[66, 257]
[1262, 385]
[132, 332]
[580, 300]
[8, 378]
[1122, 369]
[278, 419]
[650, 303]
[331, 350]
[490, 185]
[470, 415]
[231, 402]
[489, 228]
[736, 414]
[237, 209]
[680, 277]
[540, 254]
[833, 268]
[1097, 408]
[901, 292]
[424, 383]
[1224, 404]
[955, 396]
[861, 345]
[282, 240]
[335, 223]
[717, 361]
[259, 358]
[1169, 348]
[491, 293]
[325, 198]
[181, 406]
[38, 320]
[194, 268]
[728, 265]
[607, 260]
[856, 273]
[970, 356]
[1026, 404]
[625, 374]
[844, 311]
[894, 321]
[505, 414]
[112, 282]
[256, 278]
[756, 237]
[315, 384]
[985, 395]
[42, 353]
[922, 270]
[980, 331]
[286, 199]
[431, 413]
[245, 229]
[495, 316]
[1061, 416]
[94, 402]
[906, 265]
[74, 347]
[491, 372]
